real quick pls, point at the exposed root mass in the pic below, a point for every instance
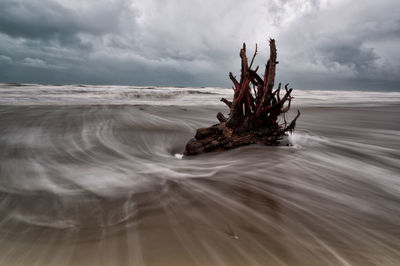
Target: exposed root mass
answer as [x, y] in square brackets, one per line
[254, 111]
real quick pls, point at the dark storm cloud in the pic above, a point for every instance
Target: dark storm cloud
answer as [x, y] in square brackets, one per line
[48, 20]
[349, 54]
[321, 43]
[31, 20]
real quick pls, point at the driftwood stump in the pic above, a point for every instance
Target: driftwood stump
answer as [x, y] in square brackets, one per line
[254, 111]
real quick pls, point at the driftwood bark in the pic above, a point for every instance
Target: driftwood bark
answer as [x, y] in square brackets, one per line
[254, 111]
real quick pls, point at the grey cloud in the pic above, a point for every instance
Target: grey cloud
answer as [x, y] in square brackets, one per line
[50, 20]
[321, 43]
[5, 59]
[34, 62]
[353, 55]
[348, 44]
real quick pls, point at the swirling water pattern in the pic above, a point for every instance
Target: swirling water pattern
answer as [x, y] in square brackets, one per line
[93, 175]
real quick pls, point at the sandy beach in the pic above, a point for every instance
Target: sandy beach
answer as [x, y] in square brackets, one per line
[93, 175]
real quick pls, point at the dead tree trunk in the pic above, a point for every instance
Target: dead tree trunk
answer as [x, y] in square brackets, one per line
[254, 115]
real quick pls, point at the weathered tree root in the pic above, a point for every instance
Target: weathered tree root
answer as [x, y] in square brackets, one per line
[254, 115]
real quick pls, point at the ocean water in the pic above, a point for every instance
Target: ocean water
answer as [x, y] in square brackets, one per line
[94, 175]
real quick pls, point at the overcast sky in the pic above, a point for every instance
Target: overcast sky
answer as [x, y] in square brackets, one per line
[338, 44]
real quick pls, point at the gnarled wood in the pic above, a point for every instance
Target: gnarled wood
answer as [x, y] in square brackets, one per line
[253, 116]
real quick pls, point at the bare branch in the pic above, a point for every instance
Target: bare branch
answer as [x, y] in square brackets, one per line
[254, 56]
[235, 82]
[221, 117]
[228, 103]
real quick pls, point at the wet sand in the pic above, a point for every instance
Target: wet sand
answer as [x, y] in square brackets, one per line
[104, 185]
